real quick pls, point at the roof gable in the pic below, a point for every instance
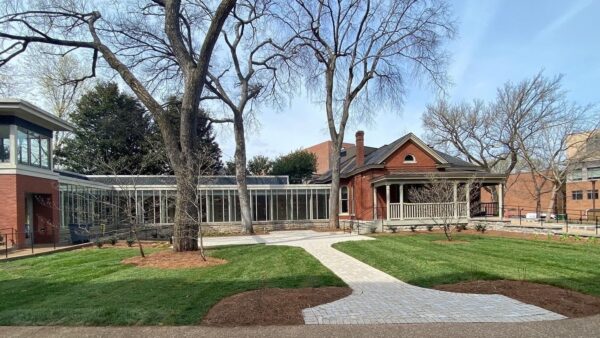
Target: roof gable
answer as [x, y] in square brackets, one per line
[383, 153]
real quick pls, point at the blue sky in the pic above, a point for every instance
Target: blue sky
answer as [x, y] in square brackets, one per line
[497, 41]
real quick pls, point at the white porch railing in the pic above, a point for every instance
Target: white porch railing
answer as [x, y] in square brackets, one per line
[427, 210]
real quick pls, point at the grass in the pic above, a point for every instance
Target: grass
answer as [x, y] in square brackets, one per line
[92, 287]
[421, 260]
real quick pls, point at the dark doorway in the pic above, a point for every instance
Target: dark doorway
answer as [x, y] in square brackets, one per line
[43, 232]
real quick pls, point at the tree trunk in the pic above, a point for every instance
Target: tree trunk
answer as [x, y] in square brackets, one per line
[185, 229]
[240, 174]
[334, 201]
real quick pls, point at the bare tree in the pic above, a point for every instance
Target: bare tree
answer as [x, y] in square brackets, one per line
[487, 134]
[441, 191]
[363, 53]
[558, 146]
[256, 67]
[149, 45]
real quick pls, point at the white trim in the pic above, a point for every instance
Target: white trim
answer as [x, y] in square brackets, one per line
[347, 213]
[413, 161]
[421, 144]
[16, 107]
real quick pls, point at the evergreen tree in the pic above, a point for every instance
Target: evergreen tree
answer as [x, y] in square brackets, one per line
[299, 165]
[209, 153]
[259, 165]
[109, 136]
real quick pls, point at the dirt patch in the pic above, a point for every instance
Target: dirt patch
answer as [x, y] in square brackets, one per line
[145, 244]
[173, 260]
[271, 306]
[566, 302]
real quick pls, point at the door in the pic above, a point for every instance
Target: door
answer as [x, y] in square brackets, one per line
[42, 219]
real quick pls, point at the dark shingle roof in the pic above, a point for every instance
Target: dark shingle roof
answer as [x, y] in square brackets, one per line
[376, 156]
[143, 180]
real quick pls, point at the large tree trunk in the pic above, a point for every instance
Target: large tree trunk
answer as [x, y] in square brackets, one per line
[240, 174]
[334, 201]
[185, 229]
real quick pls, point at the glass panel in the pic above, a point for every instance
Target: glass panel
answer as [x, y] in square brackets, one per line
[344, 200]
[302, 205]
[4, 143]
[23, 156]
[45, 151]
[34, 144]
[593, 173]
[576, 175]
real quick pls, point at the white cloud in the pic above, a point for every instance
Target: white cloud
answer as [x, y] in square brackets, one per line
[564, 18]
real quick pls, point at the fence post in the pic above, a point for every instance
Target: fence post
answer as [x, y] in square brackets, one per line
[31, 237]
[567, 221]
[53, 238]
[596, 225]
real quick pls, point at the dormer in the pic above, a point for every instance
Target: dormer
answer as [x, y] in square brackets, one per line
[26, 133]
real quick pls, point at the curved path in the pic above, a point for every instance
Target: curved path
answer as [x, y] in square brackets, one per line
[379, 298]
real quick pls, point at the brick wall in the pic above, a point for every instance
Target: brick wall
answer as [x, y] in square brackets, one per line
[8, 203]
[323, 153]
[585, 203]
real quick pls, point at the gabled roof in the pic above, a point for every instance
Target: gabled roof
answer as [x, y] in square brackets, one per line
[376, 157]
[33, 114]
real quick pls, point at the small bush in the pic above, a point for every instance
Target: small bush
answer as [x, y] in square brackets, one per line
[577, 237]
[480, 227]
[130, 242]
[461, 227]
[393, 228]
[413, 228]
[372, 229]
[430, 228]
[593, 240]
[113, 240]
[99, 243]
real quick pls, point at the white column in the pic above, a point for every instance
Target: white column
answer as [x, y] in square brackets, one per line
[374, 202]
[455, 196]
[501, 200]
[401, 201]
[468, 196]
[387, 201]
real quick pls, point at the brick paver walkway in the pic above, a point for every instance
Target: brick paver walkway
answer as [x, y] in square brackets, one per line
[381, 298]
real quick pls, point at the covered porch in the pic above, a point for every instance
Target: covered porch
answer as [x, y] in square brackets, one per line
[416, 200]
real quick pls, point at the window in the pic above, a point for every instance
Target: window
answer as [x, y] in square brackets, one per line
[344, 200]
[409, 159]
[592, 194]
[593, 173]
[577, 195]
[576, 175]
[33, 149]
[4, 143]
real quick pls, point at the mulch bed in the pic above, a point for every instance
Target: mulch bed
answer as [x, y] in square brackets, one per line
[168, 259]
[271, 306]
[568, 303]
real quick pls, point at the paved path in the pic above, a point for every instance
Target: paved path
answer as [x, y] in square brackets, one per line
[379, 298]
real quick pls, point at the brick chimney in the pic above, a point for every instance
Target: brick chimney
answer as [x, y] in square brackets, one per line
[360, 148]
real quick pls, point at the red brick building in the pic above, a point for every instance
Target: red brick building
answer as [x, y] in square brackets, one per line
[376, 183]
[324, 151]
[29, 187]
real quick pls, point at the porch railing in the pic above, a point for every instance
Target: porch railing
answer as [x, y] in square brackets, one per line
[427, 210]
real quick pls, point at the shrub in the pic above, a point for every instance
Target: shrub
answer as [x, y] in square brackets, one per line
[130, 242]
[480, 227]
[372, 229]
[99, 243]
[413, 228]
[461, 227]
[593, 240]
[113, 240]
[393, 228]
[577, 238]
[430, 228]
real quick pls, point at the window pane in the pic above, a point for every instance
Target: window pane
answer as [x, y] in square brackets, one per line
[4, 143]
[576, 175]
[34, 144]
[45, 149]
[23, 156]
[593, 173]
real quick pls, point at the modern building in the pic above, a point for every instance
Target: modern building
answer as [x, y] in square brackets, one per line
[582, 182]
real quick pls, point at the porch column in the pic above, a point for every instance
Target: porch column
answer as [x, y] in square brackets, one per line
[500, 200]
[468, 195]
[387, 201]
[455, 196]
[374, 202]
[401, 201]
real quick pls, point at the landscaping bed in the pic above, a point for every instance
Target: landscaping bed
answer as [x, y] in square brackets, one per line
[168, 259]
[271, 306]
[568, 303]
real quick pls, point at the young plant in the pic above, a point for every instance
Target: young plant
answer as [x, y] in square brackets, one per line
[130, 242]
[413, 228]
[113, 240]
[99, 243]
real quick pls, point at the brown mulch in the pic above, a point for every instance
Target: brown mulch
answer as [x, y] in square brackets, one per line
[145, 244]
[270, 306]
[168, 259]
[568, 303]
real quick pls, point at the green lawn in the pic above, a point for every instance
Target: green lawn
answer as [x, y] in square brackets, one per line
[92, 287]
[419, 260]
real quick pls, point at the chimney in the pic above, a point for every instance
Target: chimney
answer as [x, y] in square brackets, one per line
[360, 148]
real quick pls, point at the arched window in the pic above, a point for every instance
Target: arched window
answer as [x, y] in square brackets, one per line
[344, 200]
[409, 159]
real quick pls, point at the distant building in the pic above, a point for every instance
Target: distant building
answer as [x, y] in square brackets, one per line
[582, 187]
[324, 152]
